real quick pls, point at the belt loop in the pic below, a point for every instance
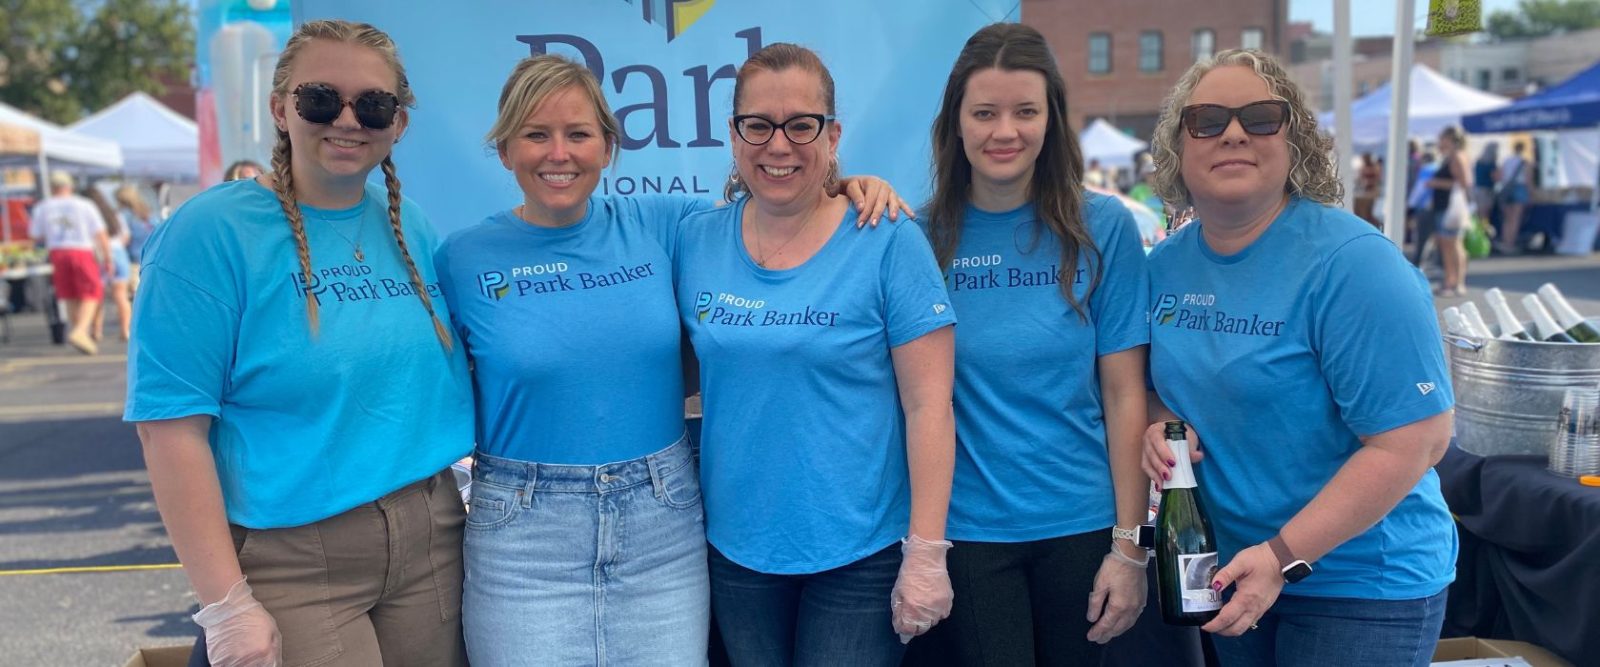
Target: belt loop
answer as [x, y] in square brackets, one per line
[658, 484]
[533, 483]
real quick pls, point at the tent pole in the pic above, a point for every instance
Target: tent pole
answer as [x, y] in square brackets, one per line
[1343, 142]
[1396, 188]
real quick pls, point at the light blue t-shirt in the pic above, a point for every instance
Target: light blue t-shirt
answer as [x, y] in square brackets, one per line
[304, 428]
[803, 453]
[572, 331]
[1282, 355]
[1031, 460]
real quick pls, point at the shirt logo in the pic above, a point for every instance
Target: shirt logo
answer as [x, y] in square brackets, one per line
[493, 284]
[702, 305]
[1166, 308]
[1425, 387]
[938, 309]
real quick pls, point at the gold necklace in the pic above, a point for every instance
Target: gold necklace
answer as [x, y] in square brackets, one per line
[765, 256]
[356, 244]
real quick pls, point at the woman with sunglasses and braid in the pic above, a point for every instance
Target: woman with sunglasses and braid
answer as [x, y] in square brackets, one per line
[297, 392]
[1303, 350]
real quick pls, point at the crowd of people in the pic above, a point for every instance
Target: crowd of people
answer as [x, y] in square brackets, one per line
[95, 248]
[872, 484]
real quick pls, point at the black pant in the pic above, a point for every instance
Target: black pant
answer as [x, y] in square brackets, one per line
[1427, 223]
[1023, 603]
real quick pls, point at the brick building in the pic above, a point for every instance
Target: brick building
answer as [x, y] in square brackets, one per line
[1121, 58]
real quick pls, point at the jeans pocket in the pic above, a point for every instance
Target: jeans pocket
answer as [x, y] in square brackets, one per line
[492, 505]
[679, 488]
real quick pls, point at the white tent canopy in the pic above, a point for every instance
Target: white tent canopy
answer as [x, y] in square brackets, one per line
[1436, 102]
[156, 141]
[1104, 142]
[62, 146]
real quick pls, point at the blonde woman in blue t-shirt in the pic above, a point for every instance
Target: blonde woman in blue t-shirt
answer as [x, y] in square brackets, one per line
[297, 393]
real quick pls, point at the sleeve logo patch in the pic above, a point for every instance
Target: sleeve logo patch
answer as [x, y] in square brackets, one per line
[938, 309]
[1425, 387]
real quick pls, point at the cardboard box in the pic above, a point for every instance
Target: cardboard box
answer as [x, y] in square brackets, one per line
[1470, 648]
[166, 656]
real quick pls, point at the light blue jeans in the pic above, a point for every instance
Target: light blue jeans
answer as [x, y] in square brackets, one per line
[587, 565]
[1301, 631]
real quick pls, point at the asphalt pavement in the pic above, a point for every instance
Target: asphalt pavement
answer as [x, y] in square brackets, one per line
[74, 493]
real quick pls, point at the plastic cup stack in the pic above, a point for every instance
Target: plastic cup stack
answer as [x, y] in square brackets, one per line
[1576, 450]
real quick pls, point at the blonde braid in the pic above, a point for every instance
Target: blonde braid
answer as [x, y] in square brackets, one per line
[283, 185]
[392, 182]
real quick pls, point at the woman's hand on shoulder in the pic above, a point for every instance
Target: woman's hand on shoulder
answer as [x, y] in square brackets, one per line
[1158, 457]
[874, 198]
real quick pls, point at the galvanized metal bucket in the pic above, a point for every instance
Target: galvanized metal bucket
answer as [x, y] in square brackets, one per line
[1509, 392]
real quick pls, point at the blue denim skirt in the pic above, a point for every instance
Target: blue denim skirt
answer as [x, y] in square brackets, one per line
[587, 565]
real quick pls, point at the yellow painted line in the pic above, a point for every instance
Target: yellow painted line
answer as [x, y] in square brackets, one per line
[91, 569]
[65, 408]
[29, 362]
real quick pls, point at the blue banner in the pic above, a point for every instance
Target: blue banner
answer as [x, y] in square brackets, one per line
[667, 67]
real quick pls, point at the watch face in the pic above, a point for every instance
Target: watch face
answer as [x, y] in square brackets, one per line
[1296, 571]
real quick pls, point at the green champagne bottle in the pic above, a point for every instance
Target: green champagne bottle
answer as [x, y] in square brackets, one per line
[1567, 316]
[1544, 326]
[1186, 550]
[1510, 326]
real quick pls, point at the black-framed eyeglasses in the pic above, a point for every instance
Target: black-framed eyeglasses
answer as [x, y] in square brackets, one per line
[801, 129]
[1263, 118]
[321, 104]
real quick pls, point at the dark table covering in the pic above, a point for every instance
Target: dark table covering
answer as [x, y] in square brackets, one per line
[1529, 568]
[1547, 219]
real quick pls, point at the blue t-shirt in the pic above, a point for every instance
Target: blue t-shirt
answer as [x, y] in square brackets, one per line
[572, 331]
[1031, 462]
[1282, 355]
[803, 453]
[304, 427]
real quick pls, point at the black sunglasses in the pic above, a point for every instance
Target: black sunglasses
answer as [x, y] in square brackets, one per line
[319, 103]
[1263, 118]
[801, 130]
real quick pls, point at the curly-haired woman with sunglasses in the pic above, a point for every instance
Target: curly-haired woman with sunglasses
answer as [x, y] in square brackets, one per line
[296, 390]
[1304, 351]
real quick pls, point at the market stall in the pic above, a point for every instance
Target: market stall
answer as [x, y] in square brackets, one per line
[1572, 106]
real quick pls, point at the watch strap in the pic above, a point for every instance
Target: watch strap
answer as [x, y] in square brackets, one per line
[1129, 534]
[1281, 550]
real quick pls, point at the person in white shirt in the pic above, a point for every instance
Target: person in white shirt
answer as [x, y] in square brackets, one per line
[72, 229]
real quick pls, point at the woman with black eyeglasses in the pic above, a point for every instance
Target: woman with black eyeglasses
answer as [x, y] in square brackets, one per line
[1303, 350]
[825, 365]
[297, 393]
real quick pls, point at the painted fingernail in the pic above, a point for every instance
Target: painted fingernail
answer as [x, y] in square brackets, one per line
[1165, 477]
[1216, 586]
[1171, 463]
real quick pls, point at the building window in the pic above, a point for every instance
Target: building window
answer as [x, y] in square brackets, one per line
[1252, 38]
[1485, 77]
[1205, 43]
[1099, 53]
[1150, 51]
[1509, 76]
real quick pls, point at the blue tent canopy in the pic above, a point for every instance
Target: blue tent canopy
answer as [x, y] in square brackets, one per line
[1573, 103]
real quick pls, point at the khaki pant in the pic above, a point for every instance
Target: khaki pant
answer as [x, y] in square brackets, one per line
[377, 585]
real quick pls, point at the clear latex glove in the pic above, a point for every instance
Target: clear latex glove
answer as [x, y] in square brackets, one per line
[1118, 596]
[922, 596]
[239, 631]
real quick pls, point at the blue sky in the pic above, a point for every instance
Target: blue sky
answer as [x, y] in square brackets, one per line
[1372, 17]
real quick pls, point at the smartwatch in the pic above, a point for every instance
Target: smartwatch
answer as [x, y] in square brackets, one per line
[1293, 569]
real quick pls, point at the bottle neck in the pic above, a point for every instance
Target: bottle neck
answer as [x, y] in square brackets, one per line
[1182, 472]
[1542, 323]
[1509, 326]
[1565, 314]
